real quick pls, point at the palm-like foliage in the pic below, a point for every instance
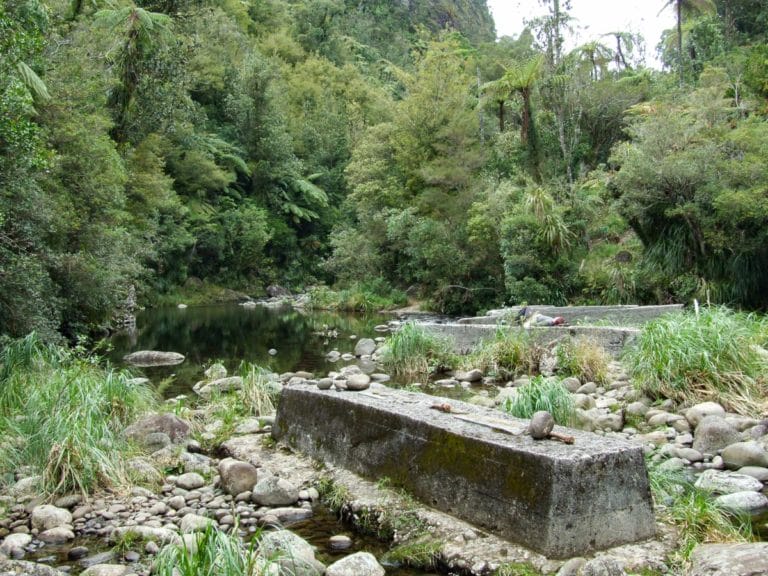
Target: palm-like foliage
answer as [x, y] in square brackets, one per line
[687, 7]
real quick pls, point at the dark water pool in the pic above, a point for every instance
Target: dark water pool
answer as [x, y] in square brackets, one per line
[231, 334]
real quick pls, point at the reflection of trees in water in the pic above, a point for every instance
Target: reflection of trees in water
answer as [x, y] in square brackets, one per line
[232, 334]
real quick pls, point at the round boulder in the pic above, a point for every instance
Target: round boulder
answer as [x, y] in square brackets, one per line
[695, 414]
[713, 433]
[237, 476]
[46, 517]
[358, 564]
[741, 454]
[275, 491]
[190, 481]
[751, 503]
[358, 382]
[365, 347]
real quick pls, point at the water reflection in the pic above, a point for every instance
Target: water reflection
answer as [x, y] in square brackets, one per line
[231, 334]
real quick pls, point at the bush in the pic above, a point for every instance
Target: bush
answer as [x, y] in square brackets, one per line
[583, 358]
[64, 415]
[359, 297]
[716, 355]
[511, 352]
[414, 353]
[542, 394]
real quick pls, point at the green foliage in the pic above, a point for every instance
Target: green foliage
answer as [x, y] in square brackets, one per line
[510, 353]
[64, 416]
[333, 495]
[715, 355]
[542, 394]
[413, 353]
[583, 358]
[516, 569]
[370, 296]
[422, 552]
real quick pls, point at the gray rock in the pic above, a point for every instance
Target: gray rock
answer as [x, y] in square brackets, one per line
[46, 517]
[14, 541]
[541, 425]
[740, 454]
[22, 568]
[147, 358]
[358, 564]
[77, 552]
[220, 386]
[324, 383]
[729, 560]
[571, 567]
[215, 372]
[473, 375]
[24, 487]
[106, 570]
[571, 384]
[195, 523]
[275, 491]
[637, 409]
[190, 481]
[751, 503]
[170, 424]
[291, 515]
[177, 502]
[713, 433]
[143, 471]
[695, 414]
[358, 382]
[156, 441]
[57, 535]
[602, 566]
[757, 472]
[296, 555]
[365, 347]
[689, 454]
[340, 542]
[96, 559]
[237, 476]
[727, 482]
[613, 421]
[69, 501]
[588, 388]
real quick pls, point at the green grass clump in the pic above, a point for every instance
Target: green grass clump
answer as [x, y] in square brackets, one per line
[332, 494]
[413, 353]
[716, 355]
[216, 554]
[358, 297]
[516, 569]
[583, 358]
[420, 553]
[63, 415]
[542, 394]
[511, 352]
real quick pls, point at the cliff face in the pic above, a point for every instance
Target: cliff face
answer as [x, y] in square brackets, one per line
[471, 17]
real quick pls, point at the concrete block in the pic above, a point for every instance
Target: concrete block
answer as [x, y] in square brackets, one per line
[620, 315]
[559, 500]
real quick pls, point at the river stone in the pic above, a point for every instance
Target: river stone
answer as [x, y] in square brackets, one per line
[25, 487]
[155, 441]
[602, 566]
[141, 470]
[571, 384]
[358, 564]
[195, 523]
[106, 570]
[756, 472]
[96, 559]
[358, 382]
[296, 555]
[729, 559]
[572, 567]
[215, 372]
[147, 358]
[190, 481]
[340, 542]
[23, 568]
[541, 425]
[289, 515]
[206, 389]
[57, 535]
[727, 482]
[68, 501]
[275, 491]
[237, 476]
[170, 424]
[713, 433]
[473, 375]
[365, 347]
[14, 541]
[324, 383]
[751, 503]
[695, 414]
[161, 535]
[77, 552]
[46, 517]
[741, 454]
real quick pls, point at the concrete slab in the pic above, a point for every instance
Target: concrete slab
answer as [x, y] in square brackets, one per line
[623, 315]
[559, 500]
[466, 336]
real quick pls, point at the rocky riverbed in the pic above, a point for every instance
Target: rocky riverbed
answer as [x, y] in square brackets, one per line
[245, 483]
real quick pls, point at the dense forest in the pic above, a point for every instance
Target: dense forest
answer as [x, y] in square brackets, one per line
[162, 144]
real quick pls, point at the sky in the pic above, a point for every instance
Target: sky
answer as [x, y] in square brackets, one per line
[592, 19]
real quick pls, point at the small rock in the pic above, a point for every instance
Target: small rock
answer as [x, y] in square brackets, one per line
[324, 383]
[602, 566]
[215, 372]
[473, 375]
[275, 491]
[190, 481]
[571, 384]
[57, 535]
[77, 552]
[541, 425]
[106, 570]
[272, 352]
[237, 476]
[131, 556]
[151, 548]
[13, 541]
[358, 382]
[357, 564]
[757, 472]
[365, 347]
[713, 433]
[340, 542]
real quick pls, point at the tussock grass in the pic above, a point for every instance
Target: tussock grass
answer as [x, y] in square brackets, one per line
[421, 553]
[583, 358]
[716, 355]
[542, 394]
[259, 394]
[510, 353]
[414, 354]
[63, 415]
[358, 297]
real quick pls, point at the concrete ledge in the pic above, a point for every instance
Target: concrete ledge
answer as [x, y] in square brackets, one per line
[620, 315]
[556, 499]
[465, 337]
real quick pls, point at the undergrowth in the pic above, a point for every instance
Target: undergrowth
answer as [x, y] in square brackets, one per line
[413, 353]
[542, 394]
[510, 353]
[359, 297]
[583, 358]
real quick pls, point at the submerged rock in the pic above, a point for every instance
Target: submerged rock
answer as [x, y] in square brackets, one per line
[147, 358]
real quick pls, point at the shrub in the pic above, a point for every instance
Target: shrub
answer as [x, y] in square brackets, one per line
[414, 353]
[714, 355]
[542, 394]
[511, 352]
[63, 415]
[583, 358]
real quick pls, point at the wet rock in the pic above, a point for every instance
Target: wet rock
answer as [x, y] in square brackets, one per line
[695, 414]
[473, 375]
[296, 555]
[713, 433]
[358, 564]
[77, 552]
[147, 358]
[741, 454]
[14, 541]
[751, 503]
[190, 481]
[237, 476]
[167, 423]
[727, 482]
[275, 491]
[46, 517]
[729, 559]
[365, 347]
[57, 535]
[96, 559]
[291, 515]
[340, 542]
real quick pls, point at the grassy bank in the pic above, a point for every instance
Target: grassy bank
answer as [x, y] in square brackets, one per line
[61, 416]
[358, 297]
[413, 353]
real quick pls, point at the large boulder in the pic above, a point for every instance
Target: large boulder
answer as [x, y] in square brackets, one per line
[729, 559]
[713, 433]
[740, 454]
[358, 564]
[295, 555]
[147, 358]
[46, 517]
[275, 491]
[14, 541]
[365, 347]
[170, 424]
[747, 503]
[237, 476]
[22, 568]
[207, 389]
[727, 482]
[695, 414]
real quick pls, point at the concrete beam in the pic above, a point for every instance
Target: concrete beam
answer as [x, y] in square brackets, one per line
[559, 500]
[466, 337]
[623, 315]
